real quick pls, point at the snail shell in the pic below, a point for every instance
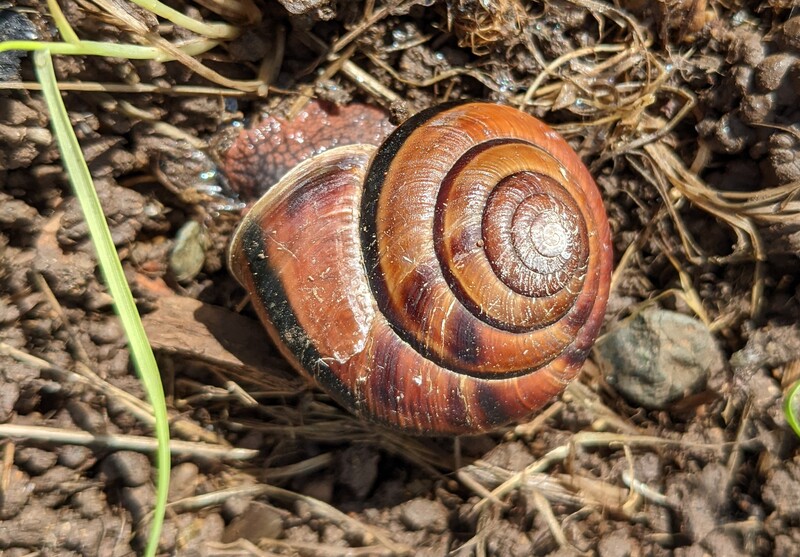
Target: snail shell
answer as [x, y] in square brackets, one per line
[449, 281]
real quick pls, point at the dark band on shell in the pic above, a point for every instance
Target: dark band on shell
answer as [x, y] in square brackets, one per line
[451, 280]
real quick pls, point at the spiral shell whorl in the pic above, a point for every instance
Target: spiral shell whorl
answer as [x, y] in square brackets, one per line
[438, 284]
[458, 288]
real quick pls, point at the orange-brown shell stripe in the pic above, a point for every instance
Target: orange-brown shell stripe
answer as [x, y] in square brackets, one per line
[310, 298]
[310, 306]
[399, 207]
[491, 276]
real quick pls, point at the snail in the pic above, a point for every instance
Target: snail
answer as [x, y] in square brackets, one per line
[449, 281]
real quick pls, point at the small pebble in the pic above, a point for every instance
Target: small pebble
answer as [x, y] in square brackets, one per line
[183, 481]
[258, 521]
[235, 506]
[189, 251]
[35, 461]
[505, 539]
[75, 456]
[131, 468]
[756, 107]
[86, 416]
[772, 70]
[618, 543]
[90, 502]
[781, 491]
[791, 33]
[658, 357]
[423, 514]
[9, 394]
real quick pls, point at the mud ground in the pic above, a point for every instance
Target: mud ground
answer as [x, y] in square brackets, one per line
[687, 114]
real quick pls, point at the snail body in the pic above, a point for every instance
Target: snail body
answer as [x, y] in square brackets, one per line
[451, 280]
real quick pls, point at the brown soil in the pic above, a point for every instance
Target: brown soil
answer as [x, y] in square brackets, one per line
[687, 113]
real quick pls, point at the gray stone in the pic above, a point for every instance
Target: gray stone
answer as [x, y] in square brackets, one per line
[658, 357]
[423, 514]
[258, 521]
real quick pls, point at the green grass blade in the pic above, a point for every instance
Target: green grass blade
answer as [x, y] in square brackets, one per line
[212, 30]
[63, 26]
[111, 268]
[792, 407]
[112, 50]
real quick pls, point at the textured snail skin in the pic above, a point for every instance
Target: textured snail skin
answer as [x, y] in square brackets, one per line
[261, 155]
[449, 281]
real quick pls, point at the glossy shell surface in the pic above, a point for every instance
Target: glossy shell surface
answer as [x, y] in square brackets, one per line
[449, 281]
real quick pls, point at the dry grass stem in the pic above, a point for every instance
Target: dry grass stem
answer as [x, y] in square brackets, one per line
[550, 69]
[486, 475]
[737, 454]
[327, 550]
[477, 75]
[367, 534]
[140, 88]
[466, 475]
[88, 379]
[546, 511]
[326, 424]
[204, 394]
[340, 61]
[696, 191]
[580, 394]
[528, 430]
[159, 126]
[302, 468]
[596, 493]
[79, 351]
[585, 440]
[137, 443]
[7, 466]
[239, 548]
[649, 493]
[142, 27]
[369, 84]
[368, 21]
